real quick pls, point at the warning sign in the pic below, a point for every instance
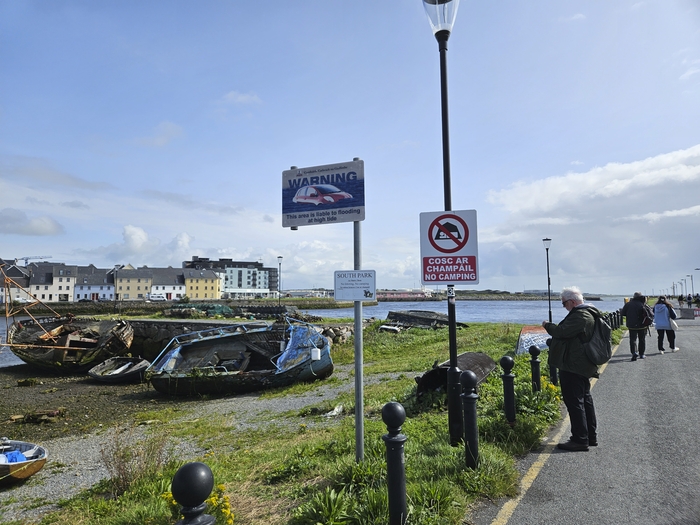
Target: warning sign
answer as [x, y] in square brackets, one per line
[449, 248]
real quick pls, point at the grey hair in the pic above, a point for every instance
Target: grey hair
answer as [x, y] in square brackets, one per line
[572, 293]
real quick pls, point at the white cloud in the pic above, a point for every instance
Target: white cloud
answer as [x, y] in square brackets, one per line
[163, 134]
[573, 18]
[17, 222]
[608, 182]
[655, 217]
[34, 172]
[240, 99]
[689, 73]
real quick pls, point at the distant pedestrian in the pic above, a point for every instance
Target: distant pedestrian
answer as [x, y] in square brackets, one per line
[663, 313]
[633, 312]
[690, 301]
[575, 369]
[680, 301]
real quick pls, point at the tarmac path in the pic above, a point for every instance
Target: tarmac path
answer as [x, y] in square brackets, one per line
[646, 469]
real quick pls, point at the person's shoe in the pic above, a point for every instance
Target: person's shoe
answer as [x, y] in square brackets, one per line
[634, 357]
[662, 351]
[675, 349]
[572, 446]
[592, 442]
[642, 356]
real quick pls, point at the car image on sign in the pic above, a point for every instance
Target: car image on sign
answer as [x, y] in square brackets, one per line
[320, 194]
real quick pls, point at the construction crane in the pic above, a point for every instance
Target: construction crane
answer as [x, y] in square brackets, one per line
[31, 257]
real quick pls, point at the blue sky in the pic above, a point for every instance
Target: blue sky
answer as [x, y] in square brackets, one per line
[149, 132]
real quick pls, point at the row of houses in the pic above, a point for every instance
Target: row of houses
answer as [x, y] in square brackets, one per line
[198, 279]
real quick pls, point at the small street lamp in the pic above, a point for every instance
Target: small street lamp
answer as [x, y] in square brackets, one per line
[441, 15]
[547, 243]
[692, 285]
[279, 280]
[553, 376]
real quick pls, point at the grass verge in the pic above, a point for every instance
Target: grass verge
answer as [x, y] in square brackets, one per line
[304, 471]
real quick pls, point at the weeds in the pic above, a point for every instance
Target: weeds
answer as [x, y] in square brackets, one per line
[128, 460]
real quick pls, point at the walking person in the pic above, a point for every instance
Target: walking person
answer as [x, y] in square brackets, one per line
[575, 369]
[633, 311]
[663, 314]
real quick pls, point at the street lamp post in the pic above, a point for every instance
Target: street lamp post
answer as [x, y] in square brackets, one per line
[692, 285]
[547, 243]
[279, 280]
[553, 376]
[685, 286]
[441, 15]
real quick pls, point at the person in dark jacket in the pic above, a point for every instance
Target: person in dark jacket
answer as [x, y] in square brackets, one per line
[632, 311]
[575, 369]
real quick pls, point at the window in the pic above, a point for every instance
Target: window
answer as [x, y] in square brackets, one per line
[60, 287]
[60, 279]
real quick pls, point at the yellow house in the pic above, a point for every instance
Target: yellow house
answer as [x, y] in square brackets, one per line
[132, 284]
[202, 285]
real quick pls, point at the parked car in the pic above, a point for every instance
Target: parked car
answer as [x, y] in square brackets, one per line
[85, 300]
[320, 194]
[157, 297]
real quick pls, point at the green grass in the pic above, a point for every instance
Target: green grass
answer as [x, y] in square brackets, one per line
[304, 472]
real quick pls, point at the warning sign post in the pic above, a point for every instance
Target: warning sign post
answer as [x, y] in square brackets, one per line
[449, 247]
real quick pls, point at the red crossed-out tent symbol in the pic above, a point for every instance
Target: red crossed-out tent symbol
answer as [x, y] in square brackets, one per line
[450, 231]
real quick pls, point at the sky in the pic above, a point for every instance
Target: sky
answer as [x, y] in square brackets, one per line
[149, 132]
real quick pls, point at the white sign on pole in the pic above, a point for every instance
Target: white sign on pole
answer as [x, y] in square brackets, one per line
[355, 285]
[326, 194]
[449, 247]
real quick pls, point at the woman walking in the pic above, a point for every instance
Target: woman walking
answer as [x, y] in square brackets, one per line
[663, 314]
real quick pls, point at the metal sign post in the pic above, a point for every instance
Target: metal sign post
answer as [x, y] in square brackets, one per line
[330, 194]
[449, 254]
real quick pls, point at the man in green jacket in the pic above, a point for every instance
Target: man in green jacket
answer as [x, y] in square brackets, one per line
[575, 369]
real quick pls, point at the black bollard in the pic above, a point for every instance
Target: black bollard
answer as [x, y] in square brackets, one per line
[535, 366]
[471, 428]
[393, 415]
[508, 388]
[191, 486]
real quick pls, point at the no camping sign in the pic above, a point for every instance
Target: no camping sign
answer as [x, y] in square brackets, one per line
[449, 247]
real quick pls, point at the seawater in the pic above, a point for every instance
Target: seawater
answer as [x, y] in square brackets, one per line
[7, 358]
[518, 312]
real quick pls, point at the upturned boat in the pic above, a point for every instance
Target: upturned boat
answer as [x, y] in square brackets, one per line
[241, 358]
[120, 370]
[69, 344]
[19, 460]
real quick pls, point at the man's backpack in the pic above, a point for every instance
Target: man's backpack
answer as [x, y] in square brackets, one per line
[599, 349]
[647, 315]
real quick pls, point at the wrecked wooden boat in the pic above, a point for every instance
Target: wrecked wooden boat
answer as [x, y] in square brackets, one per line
[69, 344]
[120, 370]
[241, 358]
[435, 379]
[419, 319]
[19, 460]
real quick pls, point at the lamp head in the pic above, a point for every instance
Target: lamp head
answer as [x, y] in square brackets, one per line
[547, 243]
[441, 14]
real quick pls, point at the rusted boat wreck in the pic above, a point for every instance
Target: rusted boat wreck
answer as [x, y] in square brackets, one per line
[241, 358]
[69, 344]
[120, 370]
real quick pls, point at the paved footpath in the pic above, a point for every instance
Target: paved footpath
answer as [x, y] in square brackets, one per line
[646, 469]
